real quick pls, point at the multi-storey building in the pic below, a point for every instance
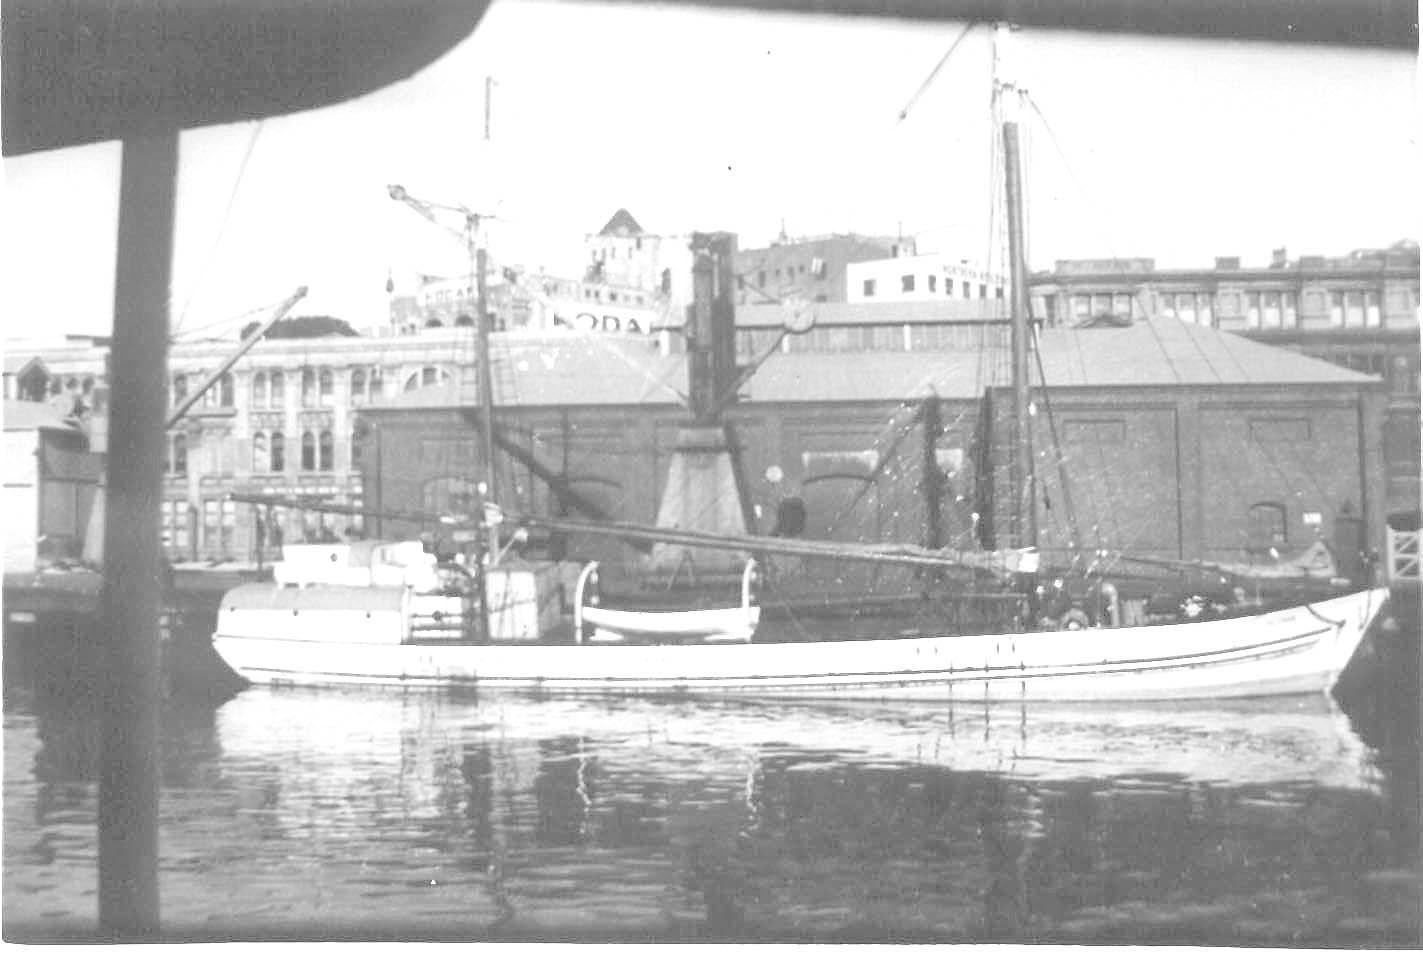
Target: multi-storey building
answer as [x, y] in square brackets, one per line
[917, 278]
[1358, 311]
[282, 421]
[815, 269]
[632, 280]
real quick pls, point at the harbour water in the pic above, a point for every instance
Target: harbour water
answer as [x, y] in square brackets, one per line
[379, 814]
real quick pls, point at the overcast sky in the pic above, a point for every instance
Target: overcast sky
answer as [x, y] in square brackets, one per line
[704, 120]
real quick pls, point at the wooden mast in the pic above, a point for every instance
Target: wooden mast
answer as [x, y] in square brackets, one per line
[1023, 517]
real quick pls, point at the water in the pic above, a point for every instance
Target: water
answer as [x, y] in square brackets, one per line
[377, 814]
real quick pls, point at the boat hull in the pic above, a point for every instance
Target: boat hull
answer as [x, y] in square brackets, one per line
[1290, 651]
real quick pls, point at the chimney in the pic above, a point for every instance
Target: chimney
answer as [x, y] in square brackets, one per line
[1279, 259]
[1227, 262]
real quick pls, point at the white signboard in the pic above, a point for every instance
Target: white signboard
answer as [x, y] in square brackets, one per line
[599, 317]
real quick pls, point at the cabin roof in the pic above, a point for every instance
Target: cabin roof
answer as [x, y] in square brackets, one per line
[21, 416]
[587, 370]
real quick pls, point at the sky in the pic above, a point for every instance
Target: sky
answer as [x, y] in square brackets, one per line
[695, 119]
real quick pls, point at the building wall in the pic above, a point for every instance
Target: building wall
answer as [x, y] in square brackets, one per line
[1169, 472]
[919, 278]
[815, 269]
[1360, 311]
[21, 450]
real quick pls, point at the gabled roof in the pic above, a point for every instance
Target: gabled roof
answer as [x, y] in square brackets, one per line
[590, 370]
[622, 224]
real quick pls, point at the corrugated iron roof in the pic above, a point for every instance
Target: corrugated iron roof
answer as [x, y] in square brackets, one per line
[579, 370]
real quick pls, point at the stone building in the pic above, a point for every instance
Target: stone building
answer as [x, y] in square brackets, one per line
[282, 421]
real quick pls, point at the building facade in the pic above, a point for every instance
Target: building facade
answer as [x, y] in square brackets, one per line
[919, 278]
[814, 270]
[1360, 311]
[1178, 443]
[283, 421]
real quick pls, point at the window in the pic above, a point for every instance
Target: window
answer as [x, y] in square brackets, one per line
[1336, 309]
[259, 390]
[279, 387]
[212, 523]
[358, 386]
[965, 289]
[180, 454]
[429, 375]
[1266, 528]
[260, 457]
[817, 267]
[180, 388]
[1289, 304]
[933, 283]
[279, 452]
[308, 452]
[1353, 309]
[983, 290]
[327, 386]
[869, 287]
[308, 387]
[1252, 310]
[327, 452]
[761, 278]
[224, 390]
[1371, 309]
[1270, 310]
[906, 283]
[375, 387]
[1081, 307]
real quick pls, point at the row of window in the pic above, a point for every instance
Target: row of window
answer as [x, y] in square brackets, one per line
[220, 395]
[269, 452]
[1272, 309]
[909, 283]
[817, 270]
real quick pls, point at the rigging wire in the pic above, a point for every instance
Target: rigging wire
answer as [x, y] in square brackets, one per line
[904, 113]
[222, 225]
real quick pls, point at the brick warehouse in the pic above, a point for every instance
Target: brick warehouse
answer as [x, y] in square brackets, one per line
[1178, 440]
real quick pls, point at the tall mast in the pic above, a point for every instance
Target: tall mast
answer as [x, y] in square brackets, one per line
[1023, 518]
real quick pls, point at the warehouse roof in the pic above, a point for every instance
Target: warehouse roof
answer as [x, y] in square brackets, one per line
[582, 370]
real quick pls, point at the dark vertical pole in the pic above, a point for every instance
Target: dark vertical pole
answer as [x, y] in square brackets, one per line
[701, 375]
[1024, 516]
[132, 592]
[932, 476]
[486, 534]
[486, 371]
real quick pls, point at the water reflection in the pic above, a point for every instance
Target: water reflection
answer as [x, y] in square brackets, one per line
[375, 814]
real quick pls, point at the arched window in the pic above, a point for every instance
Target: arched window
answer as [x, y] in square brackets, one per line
[259, 390]
[358, 433]
[327, 450]
[429, 375]
[358, 386]
[279, 451]
[180, 454]
[180, 388]
[279, 389]
[464, 320]
[377, 387]
[260, 456]
[308, 452]
[308, 387]
[328, 389]
[224, 390]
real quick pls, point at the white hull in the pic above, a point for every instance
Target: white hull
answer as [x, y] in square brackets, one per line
[1291, 651]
